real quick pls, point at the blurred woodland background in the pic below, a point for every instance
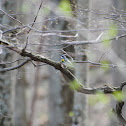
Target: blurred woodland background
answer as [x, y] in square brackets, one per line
[36, 89]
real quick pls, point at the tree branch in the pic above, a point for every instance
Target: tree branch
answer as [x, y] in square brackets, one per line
[11, 17]
[119, 106]
[36, 57]
[91, 41]
[16, 67]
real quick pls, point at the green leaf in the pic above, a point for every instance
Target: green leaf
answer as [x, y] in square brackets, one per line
[106, 41]
[105, 65]
[74, 85]
[71, 114]
[118, 95]
[103, 98]
[99, 97]
[66, 7]
[112, 32]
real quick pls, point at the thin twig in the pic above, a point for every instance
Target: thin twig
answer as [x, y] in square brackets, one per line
[16, 67]
[11, 17]
[4, 63]
[90, 42]
[33, 24]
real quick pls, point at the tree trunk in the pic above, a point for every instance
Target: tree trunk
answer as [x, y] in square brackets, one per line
[18, 87]
[97, 21]
[5, 77]
[119, 46]
[19, 100]
[81, 70]
[56, 110]
[60, 95]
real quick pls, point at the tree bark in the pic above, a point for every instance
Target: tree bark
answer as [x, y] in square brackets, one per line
[119, 46]
[60, 95]
[5, 77]
[81, 71]
[18, 87]
[56, 110]
[97, 21]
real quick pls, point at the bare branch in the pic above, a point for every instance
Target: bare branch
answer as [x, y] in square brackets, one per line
[11, 17]
[99, 37]
[36, 15]
[36, 57]
[122, 85]
[33, 23]
[4, 63]
[97, 64]
[119, 106]
[92, 41]
[16, 67]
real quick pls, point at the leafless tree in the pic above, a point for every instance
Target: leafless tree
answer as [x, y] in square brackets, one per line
[64, 32]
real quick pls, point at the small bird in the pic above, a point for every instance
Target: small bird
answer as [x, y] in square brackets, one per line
[63, 59]
[66, 62]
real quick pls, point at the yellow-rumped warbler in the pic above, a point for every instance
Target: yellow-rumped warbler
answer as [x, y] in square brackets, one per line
[66, 62]
[63, 59]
